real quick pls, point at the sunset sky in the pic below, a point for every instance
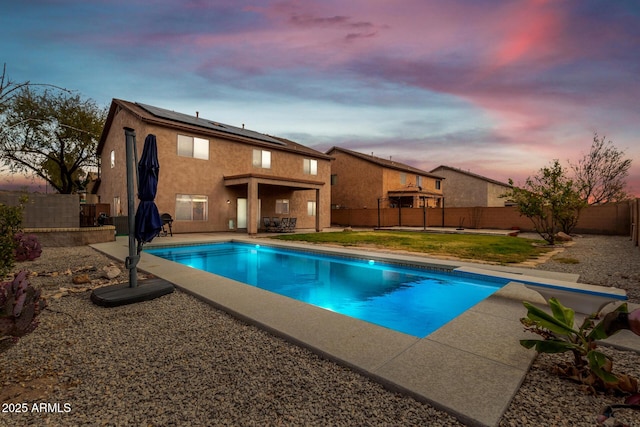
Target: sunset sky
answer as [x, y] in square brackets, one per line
[497, 87]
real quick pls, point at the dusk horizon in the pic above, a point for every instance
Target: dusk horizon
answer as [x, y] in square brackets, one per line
[500, 89]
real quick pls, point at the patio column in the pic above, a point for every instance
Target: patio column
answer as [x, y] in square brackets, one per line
[318, 210]
[252, 208]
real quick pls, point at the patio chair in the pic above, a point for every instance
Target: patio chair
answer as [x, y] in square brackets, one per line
[266, 222]
[275, 224]
[284, 225]
[167, 221]
[292, 224]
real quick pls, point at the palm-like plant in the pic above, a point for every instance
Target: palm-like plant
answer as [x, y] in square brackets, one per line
[590, 366]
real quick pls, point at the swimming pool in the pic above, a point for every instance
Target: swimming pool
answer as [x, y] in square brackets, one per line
[412, 300]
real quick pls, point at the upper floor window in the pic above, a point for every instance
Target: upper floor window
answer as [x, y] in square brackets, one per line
[310, 167]
[418, 181]
[438, 184]
[262, 159]
[403, 178]
[113, 159]
[190, 146]
[334, 179]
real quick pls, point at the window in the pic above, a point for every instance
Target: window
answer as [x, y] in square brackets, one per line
[113, 159]
[438, 184]
[189, 146]
[418, 181]
[116, 209]
[310, 167]
[311, 208]
[262, 159]
[282, 206]
[334, 179]
[192, 207]
[403, 178]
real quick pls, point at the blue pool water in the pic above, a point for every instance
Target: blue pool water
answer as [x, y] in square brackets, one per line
[411, 300]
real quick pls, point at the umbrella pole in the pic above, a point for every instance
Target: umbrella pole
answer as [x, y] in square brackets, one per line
[132, 260]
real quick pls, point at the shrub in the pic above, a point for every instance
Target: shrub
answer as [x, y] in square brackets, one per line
[20, 304]
[27, 247]
[10, 222]
[590, 366]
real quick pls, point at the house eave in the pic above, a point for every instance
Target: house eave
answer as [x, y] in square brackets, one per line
[301, 184]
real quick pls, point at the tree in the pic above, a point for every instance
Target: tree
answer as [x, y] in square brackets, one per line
[600, 174]
[550, 200]
[8, 88]
[52, 133]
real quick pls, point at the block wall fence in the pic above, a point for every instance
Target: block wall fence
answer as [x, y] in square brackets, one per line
[59, 211]
[55, 219]
[611, 219]
[46, 210]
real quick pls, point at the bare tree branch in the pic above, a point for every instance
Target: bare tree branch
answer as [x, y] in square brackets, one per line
[601, 174]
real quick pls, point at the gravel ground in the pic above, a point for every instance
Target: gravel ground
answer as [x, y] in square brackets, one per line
[178, 361]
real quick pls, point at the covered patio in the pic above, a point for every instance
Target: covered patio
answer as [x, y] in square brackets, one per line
[414, 197]
[256, 186]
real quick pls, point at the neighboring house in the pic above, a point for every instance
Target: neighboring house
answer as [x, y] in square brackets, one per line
[466, 189]
[364, 181]
[216, 177]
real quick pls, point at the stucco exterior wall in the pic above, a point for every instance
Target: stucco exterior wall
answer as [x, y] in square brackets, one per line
[359, 183]
[113, 181]
[494, 193]
[462, 190]
[192, 176]
[392, 180]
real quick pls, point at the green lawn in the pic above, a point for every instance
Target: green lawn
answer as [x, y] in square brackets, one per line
[498, 249]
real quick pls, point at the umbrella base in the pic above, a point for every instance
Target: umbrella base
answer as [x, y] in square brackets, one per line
[122, 294]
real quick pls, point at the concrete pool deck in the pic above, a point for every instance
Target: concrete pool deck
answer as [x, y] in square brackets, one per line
[471, 367]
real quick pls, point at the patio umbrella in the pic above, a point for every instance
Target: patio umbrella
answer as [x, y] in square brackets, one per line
[144, 227]
[148, 222]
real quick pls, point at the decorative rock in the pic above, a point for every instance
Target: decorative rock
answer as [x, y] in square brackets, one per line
[80, 279]
[110, 272]
[563, 237]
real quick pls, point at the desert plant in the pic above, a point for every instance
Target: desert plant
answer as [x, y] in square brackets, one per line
[20, 304]
[28, 247]
[10, 222]
[590, 366]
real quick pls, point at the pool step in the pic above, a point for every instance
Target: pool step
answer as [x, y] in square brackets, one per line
[581, 297]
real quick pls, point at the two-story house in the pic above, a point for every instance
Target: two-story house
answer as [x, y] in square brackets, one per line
[467, 189]
[365, 181]
[213, 176]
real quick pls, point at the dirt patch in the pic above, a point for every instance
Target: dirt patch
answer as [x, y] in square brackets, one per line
[37, 389]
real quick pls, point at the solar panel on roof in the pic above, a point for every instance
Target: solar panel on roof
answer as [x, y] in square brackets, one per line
[204, 123]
